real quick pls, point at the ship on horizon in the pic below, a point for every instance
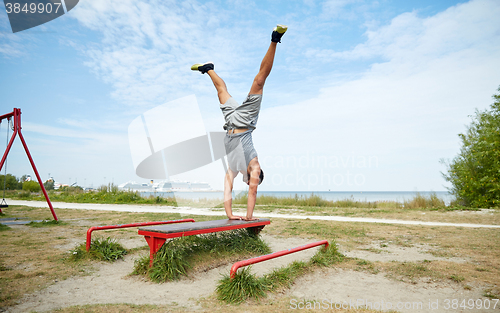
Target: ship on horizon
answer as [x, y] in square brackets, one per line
[166, 186]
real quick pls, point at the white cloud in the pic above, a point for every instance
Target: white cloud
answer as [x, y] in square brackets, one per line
[408, 110]
[148, 47]
[426, 75]
[463, 26]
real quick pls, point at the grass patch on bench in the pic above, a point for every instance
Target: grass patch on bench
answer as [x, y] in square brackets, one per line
[180, 255]
[104, 249]
[245, 285]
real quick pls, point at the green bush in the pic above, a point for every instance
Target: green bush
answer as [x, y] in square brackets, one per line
[24, 195]
[475, 172]
[31, 186]
[11, 182]
[49, 185]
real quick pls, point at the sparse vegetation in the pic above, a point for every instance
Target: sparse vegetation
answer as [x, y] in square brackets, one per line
[245, 285]
[49, 247]
[310, 203]
[104, 249]
[178, 255]
[45, 223]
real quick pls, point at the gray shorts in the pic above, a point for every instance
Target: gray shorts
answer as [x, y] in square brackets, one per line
[240, 151]
[244, 115]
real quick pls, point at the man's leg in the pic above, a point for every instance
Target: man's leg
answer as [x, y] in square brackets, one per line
[264, 71]
[228, 195]
[267, 62]
[219, 84]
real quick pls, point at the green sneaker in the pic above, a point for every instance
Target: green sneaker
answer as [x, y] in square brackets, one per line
[203, 68]
[278, 32]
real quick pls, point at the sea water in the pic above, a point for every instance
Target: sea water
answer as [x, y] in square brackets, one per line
[368, 196]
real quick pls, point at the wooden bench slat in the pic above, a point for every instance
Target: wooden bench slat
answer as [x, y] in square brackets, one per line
[180, 228]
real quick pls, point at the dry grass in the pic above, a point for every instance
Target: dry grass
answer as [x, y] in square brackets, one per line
[481, 247]
[32, 258]
[270, 305]
[485, 216]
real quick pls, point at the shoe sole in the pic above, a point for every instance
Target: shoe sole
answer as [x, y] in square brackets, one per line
[281, 28]
[196, 66]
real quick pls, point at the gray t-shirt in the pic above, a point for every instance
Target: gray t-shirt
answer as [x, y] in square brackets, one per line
[240, 151]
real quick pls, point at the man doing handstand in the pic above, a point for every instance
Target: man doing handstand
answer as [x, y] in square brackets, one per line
[241, 120]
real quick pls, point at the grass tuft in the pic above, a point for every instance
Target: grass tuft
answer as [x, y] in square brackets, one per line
[285, 276]
[328, 256]
[420, 201]
[243, 286]
[231, 291]
[177, 256]
[100, 249]
[457, 278]
[492, 294]
[4, 227]
[45, 223]
[172, 260]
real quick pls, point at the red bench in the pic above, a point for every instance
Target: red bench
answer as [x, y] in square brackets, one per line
[157, 235]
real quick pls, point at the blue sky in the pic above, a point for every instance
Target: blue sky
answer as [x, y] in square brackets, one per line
[363, 96]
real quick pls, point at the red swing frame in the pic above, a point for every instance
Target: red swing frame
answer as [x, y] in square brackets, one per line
[16, 117]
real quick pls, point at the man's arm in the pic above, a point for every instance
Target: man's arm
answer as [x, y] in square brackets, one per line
[253, 183]
[228, 195]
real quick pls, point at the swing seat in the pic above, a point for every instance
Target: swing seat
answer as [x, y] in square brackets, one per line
[4, 205]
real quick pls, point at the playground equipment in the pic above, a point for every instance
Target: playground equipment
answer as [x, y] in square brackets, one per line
[266, 257]
[91, 229]
[157, 235]
[15, 116]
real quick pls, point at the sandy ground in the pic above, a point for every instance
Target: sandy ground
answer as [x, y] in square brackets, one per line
[111, 283]
[328, 288]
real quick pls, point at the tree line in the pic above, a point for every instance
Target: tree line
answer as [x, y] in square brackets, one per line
[11, 182]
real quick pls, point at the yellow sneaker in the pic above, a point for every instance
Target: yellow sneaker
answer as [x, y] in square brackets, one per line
[278, 32]
[203, 68]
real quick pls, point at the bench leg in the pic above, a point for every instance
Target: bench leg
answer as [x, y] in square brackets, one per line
[255, 230]
[155, 244]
